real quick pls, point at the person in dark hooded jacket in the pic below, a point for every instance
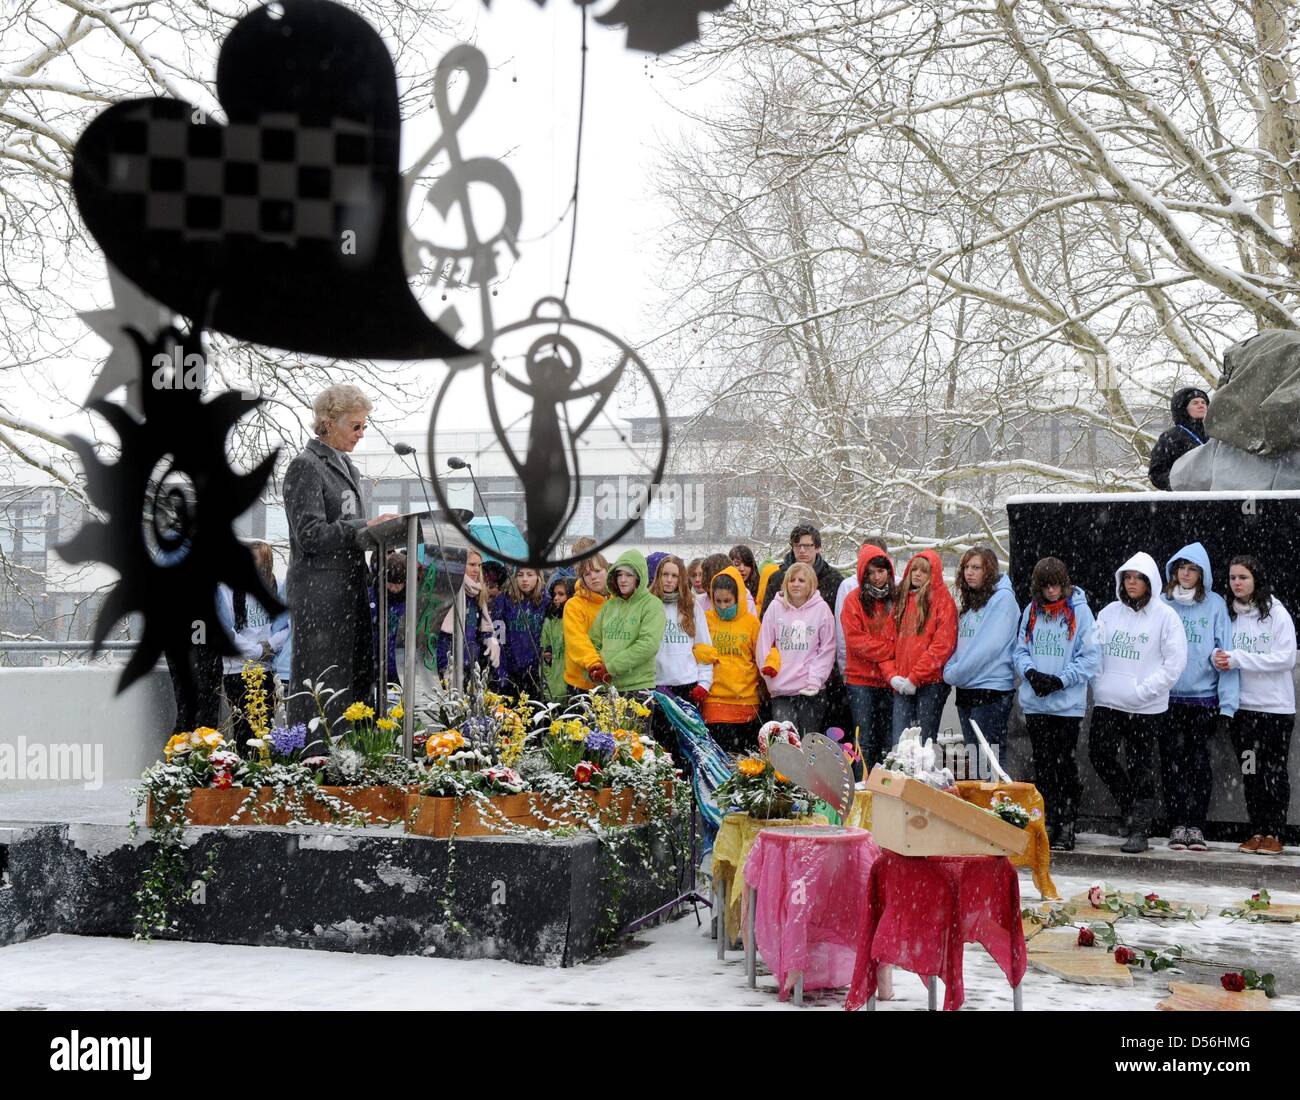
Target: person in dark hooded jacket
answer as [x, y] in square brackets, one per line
[1189, 406]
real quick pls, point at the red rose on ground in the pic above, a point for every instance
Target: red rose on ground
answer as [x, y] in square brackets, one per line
[1233, 983]
[1153, 897]
[1087, 937]
[1254, 897]
[1125, 955]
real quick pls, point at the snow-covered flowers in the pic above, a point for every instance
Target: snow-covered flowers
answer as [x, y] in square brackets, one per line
[772, 732]
[599, 745]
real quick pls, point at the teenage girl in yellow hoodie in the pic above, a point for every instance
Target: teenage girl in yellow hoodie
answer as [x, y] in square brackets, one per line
[731, 710]
[580, 611]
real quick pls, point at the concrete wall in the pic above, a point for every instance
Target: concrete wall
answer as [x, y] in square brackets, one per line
[65, 726]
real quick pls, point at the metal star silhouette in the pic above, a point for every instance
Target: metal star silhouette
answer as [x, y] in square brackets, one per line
[132, 308]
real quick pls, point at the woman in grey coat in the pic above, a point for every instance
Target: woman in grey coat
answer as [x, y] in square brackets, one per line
[326, 585]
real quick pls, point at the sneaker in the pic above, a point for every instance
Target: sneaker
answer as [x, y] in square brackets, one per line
[1251, 845]
[1196, 841]
[1269, 846]
[1178, 838]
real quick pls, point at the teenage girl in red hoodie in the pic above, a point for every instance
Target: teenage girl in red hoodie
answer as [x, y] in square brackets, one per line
[867, 618]
[925, 619]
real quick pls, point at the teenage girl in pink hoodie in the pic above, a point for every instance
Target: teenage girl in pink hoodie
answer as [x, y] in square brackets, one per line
[796, 650]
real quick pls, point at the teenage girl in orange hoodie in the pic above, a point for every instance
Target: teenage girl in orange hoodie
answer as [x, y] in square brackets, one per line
[925, 622]
[867, 618]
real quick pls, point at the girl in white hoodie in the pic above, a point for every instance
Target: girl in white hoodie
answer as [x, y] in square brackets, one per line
[677, 671]
[1264, 648]
[1143, 652]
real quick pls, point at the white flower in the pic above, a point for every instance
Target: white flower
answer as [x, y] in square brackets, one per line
[255, 743]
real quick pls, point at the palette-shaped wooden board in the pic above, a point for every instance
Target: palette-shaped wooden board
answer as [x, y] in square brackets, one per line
[1056, 951]
[1190, 997]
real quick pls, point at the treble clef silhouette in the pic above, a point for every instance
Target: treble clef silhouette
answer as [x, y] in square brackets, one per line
[452, 189]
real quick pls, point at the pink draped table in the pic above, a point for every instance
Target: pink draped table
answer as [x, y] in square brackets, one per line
[918, 913]
[807, 885]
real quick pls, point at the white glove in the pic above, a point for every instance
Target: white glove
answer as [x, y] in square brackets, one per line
[809, 691]
[903, 685]
[493, 650]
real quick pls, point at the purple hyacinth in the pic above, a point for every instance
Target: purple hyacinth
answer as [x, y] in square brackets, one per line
[288, 739]
[600, 743]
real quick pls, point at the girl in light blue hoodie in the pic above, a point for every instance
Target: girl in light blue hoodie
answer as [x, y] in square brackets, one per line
[1056, 655]
[1201, 694]
[981, 668]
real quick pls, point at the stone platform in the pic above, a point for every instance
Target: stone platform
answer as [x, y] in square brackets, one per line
[544, 901]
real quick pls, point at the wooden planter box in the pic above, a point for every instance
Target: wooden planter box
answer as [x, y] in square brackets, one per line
[213, 806]
[377, 805]
[914, 819]
[431, 816]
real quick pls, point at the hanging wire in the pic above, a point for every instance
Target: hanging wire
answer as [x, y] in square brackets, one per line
[577, 167]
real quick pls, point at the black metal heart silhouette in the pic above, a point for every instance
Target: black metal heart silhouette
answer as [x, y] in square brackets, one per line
[284, 226]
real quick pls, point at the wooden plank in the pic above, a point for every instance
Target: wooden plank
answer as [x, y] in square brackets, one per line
[1189, 997]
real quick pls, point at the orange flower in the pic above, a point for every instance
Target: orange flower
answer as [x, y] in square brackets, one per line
[751, 767]
[780, 778]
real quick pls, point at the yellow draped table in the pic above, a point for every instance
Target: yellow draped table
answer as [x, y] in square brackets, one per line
[1037, 855]
[735, 838]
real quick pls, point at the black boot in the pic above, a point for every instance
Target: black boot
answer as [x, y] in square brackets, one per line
[1052, 831]
[1064, 841]
[1138, 831]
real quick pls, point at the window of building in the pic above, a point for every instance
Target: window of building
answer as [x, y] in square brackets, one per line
[661, 518]
[584, 519]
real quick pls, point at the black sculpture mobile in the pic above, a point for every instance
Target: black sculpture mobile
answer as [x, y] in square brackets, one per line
[169, 505]
[655, 26]
[286, 226]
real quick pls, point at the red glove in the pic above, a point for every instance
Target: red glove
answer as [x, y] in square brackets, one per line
[599, 674]
[698, 694]
[769, 671]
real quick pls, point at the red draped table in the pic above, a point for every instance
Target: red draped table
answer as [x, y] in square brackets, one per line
[806, 885]
[919, 914]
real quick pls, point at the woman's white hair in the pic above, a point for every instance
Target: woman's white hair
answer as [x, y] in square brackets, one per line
[336, 402]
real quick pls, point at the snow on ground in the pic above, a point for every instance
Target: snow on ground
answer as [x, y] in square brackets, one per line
[673, 966]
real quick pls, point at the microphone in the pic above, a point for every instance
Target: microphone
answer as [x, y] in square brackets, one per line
[455, 463]
[403, 449]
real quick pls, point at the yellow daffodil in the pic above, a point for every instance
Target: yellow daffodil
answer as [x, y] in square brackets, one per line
[385, 723]
[358, 711]
[397, 713]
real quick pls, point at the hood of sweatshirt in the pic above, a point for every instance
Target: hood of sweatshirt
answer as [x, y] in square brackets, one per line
[936, 567]
[1195, 553]
[635, 561]
[865, 555]
[1143, 563]
[1178, 407]
[734, 573]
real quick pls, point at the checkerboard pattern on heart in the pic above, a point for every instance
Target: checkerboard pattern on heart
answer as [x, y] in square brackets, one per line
[277, 179]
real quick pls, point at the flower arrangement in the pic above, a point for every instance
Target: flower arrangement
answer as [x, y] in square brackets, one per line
[918, 761]
[756, 788]
[1013, 813]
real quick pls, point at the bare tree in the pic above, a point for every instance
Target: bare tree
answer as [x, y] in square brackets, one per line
[946, 252]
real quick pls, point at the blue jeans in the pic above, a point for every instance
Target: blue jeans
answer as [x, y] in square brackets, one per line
[873, 715]
[991, 717]
[924, 709]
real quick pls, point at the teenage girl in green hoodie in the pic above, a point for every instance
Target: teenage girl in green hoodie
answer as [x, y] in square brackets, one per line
[629, 628]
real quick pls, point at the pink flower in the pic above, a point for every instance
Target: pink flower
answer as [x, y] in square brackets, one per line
[1233, 983]
[1096, 897]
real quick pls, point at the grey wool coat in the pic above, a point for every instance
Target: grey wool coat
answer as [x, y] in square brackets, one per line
[326, 587]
